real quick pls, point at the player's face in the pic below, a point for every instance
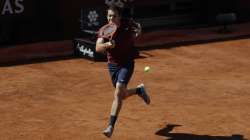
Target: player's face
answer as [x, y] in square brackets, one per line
[113, 17]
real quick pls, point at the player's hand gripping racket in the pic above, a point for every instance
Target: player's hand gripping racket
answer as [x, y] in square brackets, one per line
[108, 31]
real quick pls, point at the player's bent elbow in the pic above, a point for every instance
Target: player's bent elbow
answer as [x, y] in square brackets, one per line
[98, 49]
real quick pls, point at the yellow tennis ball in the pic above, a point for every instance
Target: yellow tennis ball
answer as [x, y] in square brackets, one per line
[147, 69]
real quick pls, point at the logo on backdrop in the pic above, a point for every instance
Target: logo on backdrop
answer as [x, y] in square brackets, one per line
[119, 3]
[85, 50]
[92, 17]
[10, 7]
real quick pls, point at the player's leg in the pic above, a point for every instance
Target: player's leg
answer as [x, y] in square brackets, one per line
[118, 97]
[117, 77]
[115, 109]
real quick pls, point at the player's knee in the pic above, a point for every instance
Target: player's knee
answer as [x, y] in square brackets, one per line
[118, 95]
[120, 91]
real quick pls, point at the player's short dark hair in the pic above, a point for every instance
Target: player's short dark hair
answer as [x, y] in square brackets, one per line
[124, 12]
[115, 8]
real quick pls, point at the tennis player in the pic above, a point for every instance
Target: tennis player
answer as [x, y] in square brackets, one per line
[120, 55]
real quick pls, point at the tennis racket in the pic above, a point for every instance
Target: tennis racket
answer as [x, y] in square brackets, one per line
[108, 31]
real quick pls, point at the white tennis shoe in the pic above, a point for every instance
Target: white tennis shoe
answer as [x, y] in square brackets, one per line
[108, 131]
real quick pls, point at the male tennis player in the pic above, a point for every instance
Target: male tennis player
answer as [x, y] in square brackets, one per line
[120, 54]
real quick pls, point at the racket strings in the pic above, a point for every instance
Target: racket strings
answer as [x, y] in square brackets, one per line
[108, 30]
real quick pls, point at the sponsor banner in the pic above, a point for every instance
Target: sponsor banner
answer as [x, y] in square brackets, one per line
[16, 8]
[86, 49]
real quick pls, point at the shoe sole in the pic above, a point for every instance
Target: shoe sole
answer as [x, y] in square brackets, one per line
[107, 134]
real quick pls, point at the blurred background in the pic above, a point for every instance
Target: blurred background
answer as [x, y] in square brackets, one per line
[26, 21]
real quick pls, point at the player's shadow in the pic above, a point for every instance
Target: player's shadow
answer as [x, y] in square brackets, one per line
[186, 136]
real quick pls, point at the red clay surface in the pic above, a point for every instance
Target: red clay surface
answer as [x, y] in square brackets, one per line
[198, 92]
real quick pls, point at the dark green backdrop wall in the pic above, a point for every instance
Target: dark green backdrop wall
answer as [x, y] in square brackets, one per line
[45, 20]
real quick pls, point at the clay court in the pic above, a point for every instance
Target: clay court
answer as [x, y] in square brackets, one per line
[198, 92]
